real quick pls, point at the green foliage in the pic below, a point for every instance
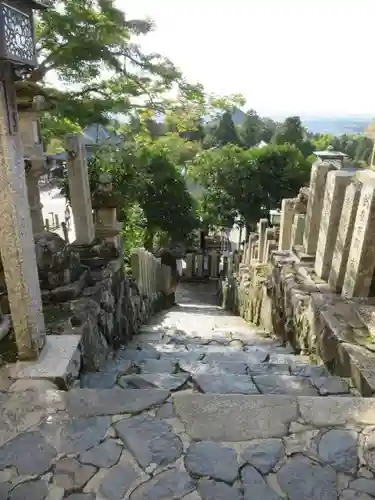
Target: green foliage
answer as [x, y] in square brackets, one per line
[250, 130]
[134, 228]
[90, 46]
[226, 132]
[290, 131]
[247, 182]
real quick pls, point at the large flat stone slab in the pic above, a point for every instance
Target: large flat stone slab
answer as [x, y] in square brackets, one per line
[150, 440]
[210, 459]
[284, 384]
[235, 417]
[214, 367]
[333, 411]
[225, 384]
[91, 402]
[59, 362]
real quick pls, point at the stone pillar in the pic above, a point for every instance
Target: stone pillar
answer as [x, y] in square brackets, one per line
[337, 182]
[344, 236]
[135, 265]
[268, 235]
[287, 216]
[189, 265]
[79, 187]
[16, 236]
[200, 263]
[33, 151]
[254, 252]
[318, 179]
[262, 226]
[33, 194]
[361, 260]
[214, 265]
[271, 246]
[298, 228]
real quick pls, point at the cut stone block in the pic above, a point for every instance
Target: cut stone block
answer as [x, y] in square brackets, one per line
[59, 362]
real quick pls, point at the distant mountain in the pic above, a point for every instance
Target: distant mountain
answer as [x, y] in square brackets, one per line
[337, 125]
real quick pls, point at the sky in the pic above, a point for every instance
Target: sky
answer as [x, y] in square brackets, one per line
[306, 57]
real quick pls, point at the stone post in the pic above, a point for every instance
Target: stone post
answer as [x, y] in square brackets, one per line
[271, 246]
[287, 216]
[254, 252]
[214, 265]
[200, 264]
[318, 179]
[189, 265]
[33, 193]
[337, 182]
[34, 155]
[79, 187]
[262, 226]
[344, 236]
[268, 235]
[298, 228]
[16, 236]
[361, 260]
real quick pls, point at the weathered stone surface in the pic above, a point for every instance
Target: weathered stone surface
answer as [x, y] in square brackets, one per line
[71, 475]
[137, 355]
[236, 417]
[150, 440]
[4, 490]
[309, 370]
[157, 366]
[30, 453]
[325, 412]
[89, 402]
[167, 381]
[103, 455]
[119, 478]
[81, 496]
[269, 369]
[227, 384]
[264, 455]
[213, 490]
[338, 448]
[75, 435]
[330, 385]
[207, 458]
[301, 478]
[32, 490]
[252, 355]
[165, 411]
[171, 484]
[255, 486]
[34, 384]
[99, 380]
[216, 367]
[354, 495]
[369, 447]
[363, 485]
[59, 362]
[284, 384]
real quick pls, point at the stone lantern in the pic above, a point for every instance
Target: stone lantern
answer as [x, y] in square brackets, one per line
[17, 57]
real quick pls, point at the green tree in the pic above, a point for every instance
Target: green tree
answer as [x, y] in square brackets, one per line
[90, 46]
[226, 132]
[250, 130]
[248, 182]
[290, 131]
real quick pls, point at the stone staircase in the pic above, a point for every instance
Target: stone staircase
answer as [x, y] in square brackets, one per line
[200, 406]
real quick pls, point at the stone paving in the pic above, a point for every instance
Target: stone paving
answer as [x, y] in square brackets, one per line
[201, 406]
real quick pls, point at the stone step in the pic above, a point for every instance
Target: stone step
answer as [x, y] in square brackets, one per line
[237, 417]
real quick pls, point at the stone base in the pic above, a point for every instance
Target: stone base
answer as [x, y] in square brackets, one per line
[59, 362]
[302, 255]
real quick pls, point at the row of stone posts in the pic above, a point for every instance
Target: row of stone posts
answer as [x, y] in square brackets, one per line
[148, 272]
[199, 265]
[335, 229]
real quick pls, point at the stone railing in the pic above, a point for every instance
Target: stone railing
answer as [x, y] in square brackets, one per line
[313, 283]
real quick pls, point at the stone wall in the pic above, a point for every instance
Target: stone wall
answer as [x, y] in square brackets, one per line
[86, 291]
[317, 293]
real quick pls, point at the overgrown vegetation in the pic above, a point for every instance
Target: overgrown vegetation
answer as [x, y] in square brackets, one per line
[168, 143]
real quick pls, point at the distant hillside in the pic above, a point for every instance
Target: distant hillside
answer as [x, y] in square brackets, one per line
[337, 125]
[321, 125]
